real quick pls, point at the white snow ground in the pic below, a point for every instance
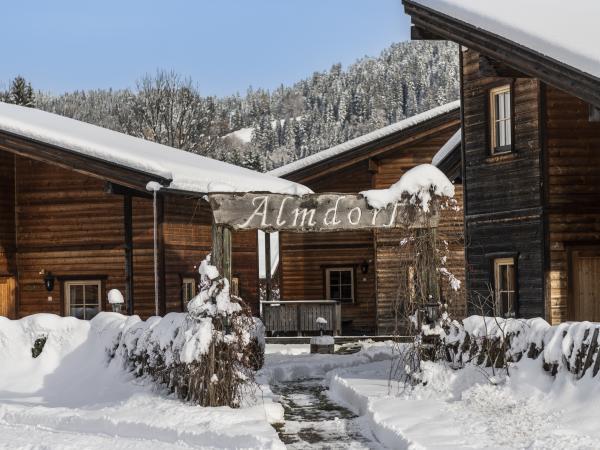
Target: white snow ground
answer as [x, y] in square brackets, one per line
[68, 398]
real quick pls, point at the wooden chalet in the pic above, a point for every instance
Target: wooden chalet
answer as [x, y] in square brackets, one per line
[360, 269]
[77, 218]
[530, 96]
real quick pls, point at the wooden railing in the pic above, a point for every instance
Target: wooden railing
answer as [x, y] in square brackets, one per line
[300, 316]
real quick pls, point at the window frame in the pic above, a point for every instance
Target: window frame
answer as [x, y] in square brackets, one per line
[328, 271]
[82, 282]
[194, 283]
[498, 263]
[492, 119]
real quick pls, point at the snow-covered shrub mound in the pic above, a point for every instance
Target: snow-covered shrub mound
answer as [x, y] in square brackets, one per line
[494, 341]
[207, 356]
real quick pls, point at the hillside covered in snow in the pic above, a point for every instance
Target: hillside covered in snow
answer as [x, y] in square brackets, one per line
[264, 129]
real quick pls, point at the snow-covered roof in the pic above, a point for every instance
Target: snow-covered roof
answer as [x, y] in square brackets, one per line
[187, 171]
[364, 139]
[565, 31]
[447, 148]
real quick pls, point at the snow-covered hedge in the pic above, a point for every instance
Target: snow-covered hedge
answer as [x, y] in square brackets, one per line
[207, 356]
[570, 346]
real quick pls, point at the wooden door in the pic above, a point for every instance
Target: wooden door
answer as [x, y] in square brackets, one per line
[585, 292]
[7, 297]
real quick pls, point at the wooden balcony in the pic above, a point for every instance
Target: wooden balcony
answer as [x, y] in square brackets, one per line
[300, 317]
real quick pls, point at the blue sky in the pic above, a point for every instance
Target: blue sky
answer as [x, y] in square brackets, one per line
[223, 45]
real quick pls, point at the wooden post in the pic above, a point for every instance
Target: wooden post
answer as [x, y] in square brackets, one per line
[128, 228]
[162, 266]
[426, 266]
[269, 286]
[221, 250]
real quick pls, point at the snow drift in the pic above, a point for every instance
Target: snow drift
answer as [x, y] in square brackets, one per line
[419, 185]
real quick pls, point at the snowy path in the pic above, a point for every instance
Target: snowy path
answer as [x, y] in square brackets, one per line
[313, 421]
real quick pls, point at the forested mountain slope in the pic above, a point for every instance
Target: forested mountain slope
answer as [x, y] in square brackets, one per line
[265, 129]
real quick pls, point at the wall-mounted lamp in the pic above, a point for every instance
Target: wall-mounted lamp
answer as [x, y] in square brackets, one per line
[48, 280]
[364, 267]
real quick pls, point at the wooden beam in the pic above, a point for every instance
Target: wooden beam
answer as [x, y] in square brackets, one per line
[422, 34]
[162, 284]
[373, 166]
[128, 228]
[221, 250]
[268, 280]
[117, 189]
[489, 67]
[87, 165]
[315, 213]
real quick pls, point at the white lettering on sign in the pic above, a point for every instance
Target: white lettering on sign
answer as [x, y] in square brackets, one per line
[313, 212]
[357, 214]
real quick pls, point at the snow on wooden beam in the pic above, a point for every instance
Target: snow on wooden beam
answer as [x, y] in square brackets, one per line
[314, 213]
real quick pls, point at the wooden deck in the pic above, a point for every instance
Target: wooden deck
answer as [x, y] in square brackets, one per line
[300, 316]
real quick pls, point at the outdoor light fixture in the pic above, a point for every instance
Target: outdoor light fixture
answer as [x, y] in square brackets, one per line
[364, 267]
[432, 311]
[48, 280]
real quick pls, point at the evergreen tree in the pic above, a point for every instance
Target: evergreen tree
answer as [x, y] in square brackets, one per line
[21, 93]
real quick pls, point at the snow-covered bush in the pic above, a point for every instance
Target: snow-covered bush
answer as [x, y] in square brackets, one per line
[498, 342]
[207, 356]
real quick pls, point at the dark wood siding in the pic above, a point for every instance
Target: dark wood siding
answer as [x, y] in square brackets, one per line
[390, 169]
[7, 214]
[304, 257]
[573, 148]
[69, 225]
[503, 198]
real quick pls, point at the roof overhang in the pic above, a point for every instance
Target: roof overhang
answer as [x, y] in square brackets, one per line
[87, 165]
[523, 59]
[377, 147]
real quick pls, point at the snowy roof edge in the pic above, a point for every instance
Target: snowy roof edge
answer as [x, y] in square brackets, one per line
[165, 167]
[447, 148]
[556, 58]
[365, 139]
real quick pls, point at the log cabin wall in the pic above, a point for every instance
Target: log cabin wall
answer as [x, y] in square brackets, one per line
[503, 194]
[7, 214]
[305, 256]
[187, 241]
[573, 192]
[67, 224]
[389, 170]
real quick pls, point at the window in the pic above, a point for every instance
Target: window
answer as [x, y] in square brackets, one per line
[504, 287]
[340, 284]
[188, 287]
[234, 286]
[83, 298]
[500, 120]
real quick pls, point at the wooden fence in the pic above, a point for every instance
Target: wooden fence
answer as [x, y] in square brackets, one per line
[300, 316]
